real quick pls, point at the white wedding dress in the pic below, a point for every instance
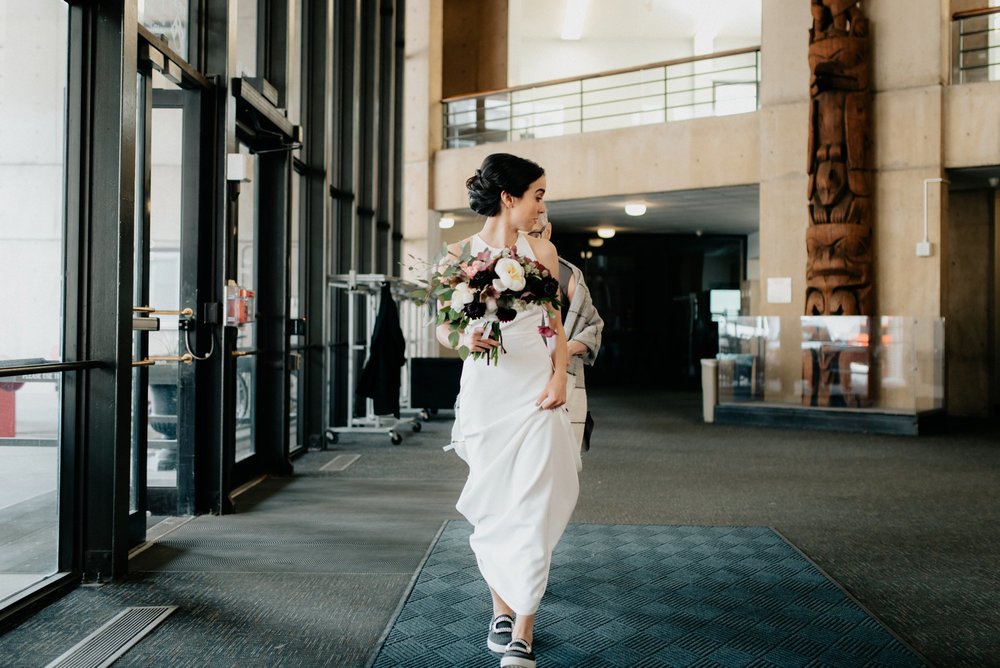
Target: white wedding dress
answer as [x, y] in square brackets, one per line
[523, 460]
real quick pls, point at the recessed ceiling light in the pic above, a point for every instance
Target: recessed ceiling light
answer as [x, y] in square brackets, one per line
[595, 243]
[635, 208]
[446, 222]
[605, 232]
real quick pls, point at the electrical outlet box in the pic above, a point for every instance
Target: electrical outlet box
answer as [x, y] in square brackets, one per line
[923, 249]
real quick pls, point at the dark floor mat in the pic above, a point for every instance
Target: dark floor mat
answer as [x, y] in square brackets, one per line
[640, 595]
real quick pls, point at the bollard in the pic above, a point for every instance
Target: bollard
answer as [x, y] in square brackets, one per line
[709, 388]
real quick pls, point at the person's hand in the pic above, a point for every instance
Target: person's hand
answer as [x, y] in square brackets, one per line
[476, 342]
[576, 349]
[554, 394]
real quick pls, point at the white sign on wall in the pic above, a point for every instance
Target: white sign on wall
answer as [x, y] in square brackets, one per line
[779, 290]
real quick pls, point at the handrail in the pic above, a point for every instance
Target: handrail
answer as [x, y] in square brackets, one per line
[971, 13]
[605, 73]
[49, 367]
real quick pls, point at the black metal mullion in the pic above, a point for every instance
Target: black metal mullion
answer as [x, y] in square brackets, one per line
[397, 176]
[315, 208]
[74, 300]
[108, 211]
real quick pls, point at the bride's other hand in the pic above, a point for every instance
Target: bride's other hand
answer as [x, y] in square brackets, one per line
[554, 394]
[476, 342]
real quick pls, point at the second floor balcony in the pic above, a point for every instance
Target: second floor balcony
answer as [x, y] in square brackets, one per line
[714, 84]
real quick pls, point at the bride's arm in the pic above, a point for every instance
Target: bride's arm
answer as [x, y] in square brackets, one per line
[554, 394]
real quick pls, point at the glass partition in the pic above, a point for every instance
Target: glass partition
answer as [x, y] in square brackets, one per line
[168, 20]
[33, 81]
[889, 363]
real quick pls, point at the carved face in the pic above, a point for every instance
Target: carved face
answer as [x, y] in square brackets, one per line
[838, 273]
[831, 180]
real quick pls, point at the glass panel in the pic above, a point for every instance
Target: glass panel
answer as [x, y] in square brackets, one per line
[892, 364]
[246, 277]
[29, 466]
[167, 19]
[246, 41]
[164, 293]
[32, 115]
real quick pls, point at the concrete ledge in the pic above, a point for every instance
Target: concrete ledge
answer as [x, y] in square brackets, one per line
[866, 421]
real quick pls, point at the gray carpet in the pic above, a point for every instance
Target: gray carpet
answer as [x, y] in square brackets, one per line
[908, 525]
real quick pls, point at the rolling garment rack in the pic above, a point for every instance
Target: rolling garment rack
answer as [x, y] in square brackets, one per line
[363, 294]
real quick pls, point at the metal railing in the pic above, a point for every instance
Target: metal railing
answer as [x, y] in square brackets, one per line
[975, 46]
[715, 84]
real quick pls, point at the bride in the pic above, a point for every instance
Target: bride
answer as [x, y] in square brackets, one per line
[518, 441]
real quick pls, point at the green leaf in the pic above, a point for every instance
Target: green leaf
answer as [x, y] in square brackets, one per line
[463, 352]
[453, 339]
[441, 317]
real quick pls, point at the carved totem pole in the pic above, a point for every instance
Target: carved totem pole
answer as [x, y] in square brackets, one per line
[839, 238]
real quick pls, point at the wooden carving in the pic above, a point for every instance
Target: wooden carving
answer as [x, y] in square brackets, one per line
[839, 237]
[839, 265]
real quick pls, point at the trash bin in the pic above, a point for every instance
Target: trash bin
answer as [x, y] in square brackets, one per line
[709, 388]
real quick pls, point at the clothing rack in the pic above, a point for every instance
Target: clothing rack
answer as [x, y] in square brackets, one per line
[362, 292]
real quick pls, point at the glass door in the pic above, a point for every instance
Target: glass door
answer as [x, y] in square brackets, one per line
[164, 345]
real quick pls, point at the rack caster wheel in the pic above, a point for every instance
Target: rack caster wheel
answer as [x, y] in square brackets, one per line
[395, 438]
[331, 436]
[424, 415]
[417, 426]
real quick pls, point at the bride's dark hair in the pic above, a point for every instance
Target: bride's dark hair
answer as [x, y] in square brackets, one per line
[499, 173]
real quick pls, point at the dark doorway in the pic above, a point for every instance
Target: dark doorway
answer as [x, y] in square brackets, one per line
[653, 292]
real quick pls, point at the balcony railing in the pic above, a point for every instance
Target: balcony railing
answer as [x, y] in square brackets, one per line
[976, 46]
[716, 84]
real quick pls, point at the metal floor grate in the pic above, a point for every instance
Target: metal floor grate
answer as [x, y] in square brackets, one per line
[104, 646]
[339, 463]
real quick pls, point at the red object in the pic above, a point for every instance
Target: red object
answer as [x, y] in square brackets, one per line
[8, 413]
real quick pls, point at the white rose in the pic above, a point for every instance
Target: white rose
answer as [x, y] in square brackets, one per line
[462, 295]
[511, 275]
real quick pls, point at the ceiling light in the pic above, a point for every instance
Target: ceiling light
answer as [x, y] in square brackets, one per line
[446, 222]
[595, 243]
[605, 232]
[573, 19]
[635, 208]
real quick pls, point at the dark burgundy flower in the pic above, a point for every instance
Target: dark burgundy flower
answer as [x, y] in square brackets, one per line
[506, 314]
[550, 287]
[482, 279]
[475, 309]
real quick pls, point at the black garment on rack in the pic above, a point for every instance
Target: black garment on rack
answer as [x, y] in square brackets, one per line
[380, 377]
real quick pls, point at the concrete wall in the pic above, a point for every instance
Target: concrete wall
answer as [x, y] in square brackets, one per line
[701, 153]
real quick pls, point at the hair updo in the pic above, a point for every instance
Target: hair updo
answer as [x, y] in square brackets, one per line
[500, 173]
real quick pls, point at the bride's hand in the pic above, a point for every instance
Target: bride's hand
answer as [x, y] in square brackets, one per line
[554, 394]
[476, 342]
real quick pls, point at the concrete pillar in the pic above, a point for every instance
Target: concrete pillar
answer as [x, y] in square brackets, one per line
[421, 128]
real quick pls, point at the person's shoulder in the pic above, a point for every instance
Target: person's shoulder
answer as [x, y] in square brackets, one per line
[540, 246]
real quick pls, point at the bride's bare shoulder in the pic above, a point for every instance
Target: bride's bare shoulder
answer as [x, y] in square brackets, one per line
[543, 249]
[455, 251]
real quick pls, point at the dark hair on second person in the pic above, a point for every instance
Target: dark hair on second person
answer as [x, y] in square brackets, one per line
[500, 172]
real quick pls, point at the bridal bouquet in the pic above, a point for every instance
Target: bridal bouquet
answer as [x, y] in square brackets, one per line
[491, 288]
